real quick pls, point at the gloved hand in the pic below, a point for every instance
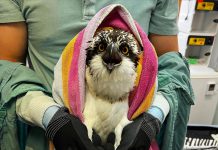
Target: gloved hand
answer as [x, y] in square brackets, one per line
[68, 133]
[139, 134]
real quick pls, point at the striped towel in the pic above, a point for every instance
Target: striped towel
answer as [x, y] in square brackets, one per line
[69, 73]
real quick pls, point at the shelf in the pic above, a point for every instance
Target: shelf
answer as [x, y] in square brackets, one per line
[202, 33]
[202, 71]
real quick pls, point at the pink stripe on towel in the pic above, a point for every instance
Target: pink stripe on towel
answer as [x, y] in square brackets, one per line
[74, 91]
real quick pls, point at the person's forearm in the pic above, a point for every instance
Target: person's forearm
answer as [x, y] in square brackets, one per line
[159, 108]
[32, 106]
[163, 44]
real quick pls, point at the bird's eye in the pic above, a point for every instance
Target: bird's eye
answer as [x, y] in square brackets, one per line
[125, 50]
[101, 47]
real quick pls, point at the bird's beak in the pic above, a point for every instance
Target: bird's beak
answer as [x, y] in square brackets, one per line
[112, 58]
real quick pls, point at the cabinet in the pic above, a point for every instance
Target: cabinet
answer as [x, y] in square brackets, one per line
[198, 42]
[205, 85]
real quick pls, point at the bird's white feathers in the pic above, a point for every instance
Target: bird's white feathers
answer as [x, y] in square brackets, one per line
[107, 93]
[104, 117]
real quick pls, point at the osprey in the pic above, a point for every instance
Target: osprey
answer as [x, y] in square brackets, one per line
[112, 59]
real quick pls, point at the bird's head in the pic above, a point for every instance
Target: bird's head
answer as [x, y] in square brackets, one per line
[112, 58]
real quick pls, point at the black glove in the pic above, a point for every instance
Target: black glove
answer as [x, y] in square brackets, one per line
[139, 134]
[68, 133]
[109, 145]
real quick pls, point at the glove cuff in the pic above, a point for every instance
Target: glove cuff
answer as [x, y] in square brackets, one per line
[59, 119]
[150, 126]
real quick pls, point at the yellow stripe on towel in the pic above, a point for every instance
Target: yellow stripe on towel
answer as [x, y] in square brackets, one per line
[67, 56]
[145, 104]
[139, 69]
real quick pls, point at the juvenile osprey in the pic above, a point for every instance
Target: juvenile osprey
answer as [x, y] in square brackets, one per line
[112, 58]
